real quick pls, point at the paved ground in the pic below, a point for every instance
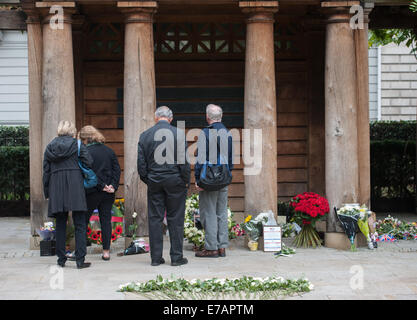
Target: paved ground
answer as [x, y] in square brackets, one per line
[387, 273]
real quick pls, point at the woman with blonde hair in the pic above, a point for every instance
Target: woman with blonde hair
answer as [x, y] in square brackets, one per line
[107, 168]
[63, 185]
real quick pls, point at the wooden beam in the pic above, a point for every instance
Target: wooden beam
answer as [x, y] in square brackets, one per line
[332, 4]
[49, 4]
[258, 4]
[137, 4]
[12, 20]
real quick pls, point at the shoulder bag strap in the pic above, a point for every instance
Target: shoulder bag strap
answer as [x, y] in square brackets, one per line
[79, 147]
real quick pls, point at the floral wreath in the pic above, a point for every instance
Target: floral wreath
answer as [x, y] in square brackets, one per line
[94, 229]
[195, 235]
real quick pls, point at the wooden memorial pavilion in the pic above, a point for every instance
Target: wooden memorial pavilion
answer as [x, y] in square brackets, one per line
[294, 68]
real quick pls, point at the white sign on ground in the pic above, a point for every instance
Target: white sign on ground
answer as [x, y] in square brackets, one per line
[272, 238]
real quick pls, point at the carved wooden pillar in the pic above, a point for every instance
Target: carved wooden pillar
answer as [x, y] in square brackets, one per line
[316, 137]
[362, 72]
[139, 102]
[260, 110]
[57, 69]
[37, 202]
[78, 41]
[341, 107]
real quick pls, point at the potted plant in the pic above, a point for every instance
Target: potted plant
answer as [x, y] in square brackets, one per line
[253, 229]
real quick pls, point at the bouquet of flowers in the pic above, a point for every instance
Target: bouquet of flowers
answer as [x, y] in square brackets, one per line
[289, 230]
[47, 232]
[94, 228]
[364, 226]
[236, 231]
[348, 216]
[254, 227]
[193, 231]
[395, 229]
[308, 207]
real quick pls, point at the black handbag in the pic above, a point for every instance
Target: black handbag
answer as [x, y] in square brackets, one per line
[214, 177]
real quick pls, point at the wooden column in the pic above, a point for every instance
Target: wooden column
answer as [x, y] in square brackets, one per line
[316, 133]
[362, 71]
[57, 71]
[37, 202]
[139, 102]
[341, 123]
[78, 41]
[260, 110]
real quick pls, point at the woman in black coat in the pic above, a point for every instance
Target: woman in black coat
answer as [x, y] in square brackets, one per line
[107, 168]
[63, 186]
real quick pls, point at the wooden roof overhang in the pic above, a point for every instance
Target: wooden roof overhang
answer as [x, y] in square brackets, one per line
[386, 14]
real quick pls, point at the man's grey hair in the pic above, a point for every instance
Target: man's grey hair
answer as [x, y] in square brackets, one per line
[214, 112]
[163, 112]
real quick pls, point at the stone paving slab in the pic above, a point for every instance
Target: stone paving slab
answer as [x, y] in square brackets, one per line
[385, 274]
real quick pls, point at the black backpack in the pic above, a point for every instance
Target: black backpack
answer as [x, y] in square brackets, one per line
[214, 177]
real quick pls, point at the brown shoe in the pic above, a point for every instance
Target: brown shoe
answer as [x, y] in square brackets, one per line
[222, 252]
[207, 254]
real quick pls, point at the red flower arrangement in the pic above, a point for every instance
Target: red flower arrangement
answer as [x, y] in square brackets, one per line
[94, 232]
[94, 236]
[118, 230]
[309, 207]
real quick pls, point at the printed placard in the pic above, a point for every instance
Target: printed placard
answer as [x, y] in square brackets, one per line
[272, 238]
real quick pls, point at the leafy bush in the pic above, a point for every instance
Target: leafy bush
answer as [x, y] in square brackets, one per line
[393, 130]
[14, 159]
[393, 164]
[393, 169]
[14, 136]
[14, 173]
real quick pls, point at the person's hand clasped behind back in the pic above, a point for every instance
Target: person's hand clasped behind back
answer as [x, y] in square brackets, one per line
[198, 188]
[108, 189]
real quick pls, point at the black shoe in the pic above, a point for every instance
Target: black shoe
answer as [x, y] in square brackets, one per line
[157, 263]
[61, 264]
[105, 258]
[83, 265]
[179, 262]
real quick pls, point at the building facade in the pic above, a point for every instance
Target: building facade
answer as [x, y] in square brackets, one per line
[14, 85]
[296, 70]
[392, 83]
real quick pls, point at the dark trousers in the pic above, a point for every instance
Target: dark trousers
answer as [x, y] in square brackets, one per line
[168, 195]
[78, 218]
[102, 201]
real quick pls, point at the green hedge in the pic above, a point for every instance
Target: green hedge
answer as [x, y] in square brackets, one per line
[14, 173]
[393, 130]
[393, 169]
[14, 136]
[393, 165]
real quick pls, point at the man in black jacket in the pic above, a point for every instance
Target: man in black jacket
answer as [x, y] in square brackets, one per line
[163, 167]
